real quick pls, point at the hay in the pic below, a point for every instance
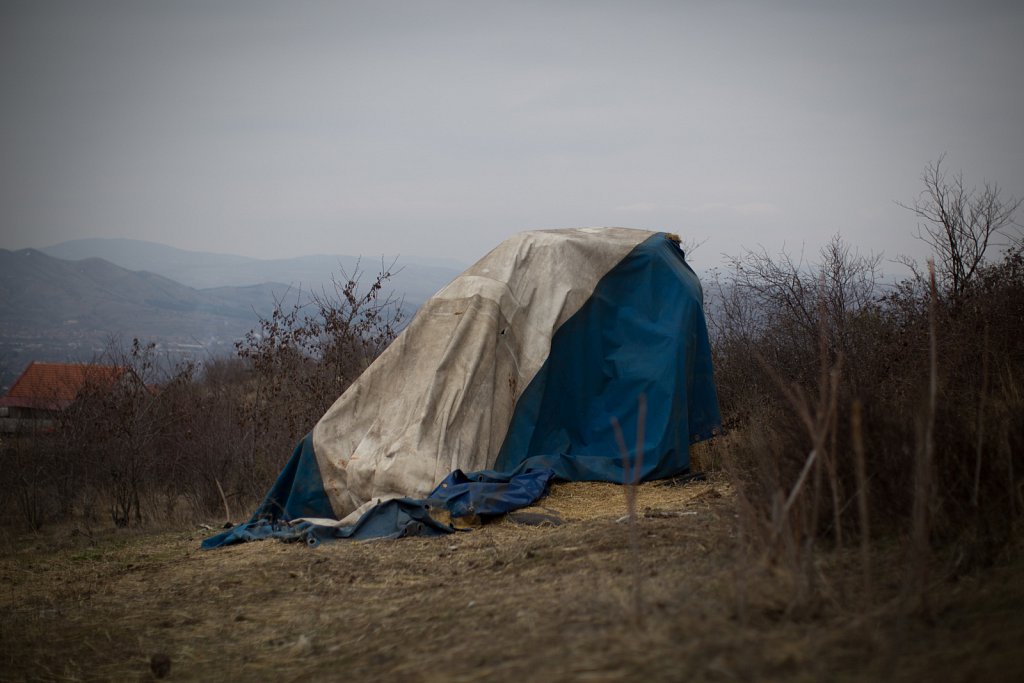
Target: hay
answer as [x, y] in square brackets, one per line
[583, 501]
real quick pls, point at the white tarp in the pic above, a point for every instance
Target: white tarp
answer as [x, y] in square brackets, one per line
[442, 395]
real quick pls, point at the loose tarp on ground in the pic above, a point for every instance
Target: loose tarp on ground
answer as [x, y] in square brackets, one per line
[505, 380]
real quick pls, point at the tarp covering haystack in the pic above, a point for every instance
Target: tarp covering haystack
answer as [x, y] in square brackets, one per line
[516, 374]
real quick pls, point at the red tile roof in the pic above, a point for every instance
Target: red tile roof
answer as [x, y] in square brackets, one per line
[53, 386]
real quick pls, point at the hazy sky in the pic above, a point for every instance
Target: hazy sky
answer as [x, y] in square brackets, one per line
[286, 128]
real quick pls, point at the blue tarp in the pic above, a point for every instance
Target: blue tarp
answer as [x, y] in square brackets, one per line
[641, 333]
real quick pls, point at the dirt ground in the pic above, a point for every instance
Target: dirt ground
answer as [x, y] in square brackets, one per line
[574, 598]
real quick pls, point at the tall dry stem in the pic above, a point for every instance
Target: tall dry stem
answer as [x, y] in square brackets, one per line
[921, 516]
[223, 500]
[828, 393]
[630, 479]
[860, 465]
[1012, 391]
[980, 443]
[1007, 452]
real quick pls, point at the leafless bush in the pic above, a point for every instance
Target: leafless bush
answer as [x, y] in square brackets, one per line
[960, 224]
[778, 308]
[25, 477]
[851, 403]
[303, 357]
[117, 431]
[153, 439]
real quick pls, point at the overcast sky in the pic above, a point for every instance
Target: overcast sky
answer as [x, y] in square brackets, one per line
[277, 129]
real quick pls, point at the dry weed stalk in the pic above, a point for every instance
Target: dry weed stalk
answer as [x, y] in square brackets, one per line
[860, 465]
[1011, 396]
[819, 419]
[1007, 452]
[981, 417]
[923, 463]
[224, 500]
[795, 538]
[630, 479]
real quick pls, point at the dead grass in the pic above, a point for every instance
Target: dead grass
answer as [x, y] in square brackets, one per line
[504, 602]
[583, 501]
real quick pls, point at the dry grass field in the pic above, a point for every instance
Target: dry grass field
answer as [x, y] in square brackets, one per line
[573, 598]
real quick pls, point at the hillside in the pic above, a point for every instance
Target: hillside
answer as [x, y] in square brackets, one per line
[416, 279]
[52, 309]
[38, 289]
[191, 303]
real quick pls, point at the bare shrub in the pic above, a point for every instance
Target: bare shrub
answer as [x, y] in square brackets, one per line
[925, 427]
[960, 223]
[778, 308]
[158, 441]
[122, 426]
[303, 357]
[853, 402]
[26, 459]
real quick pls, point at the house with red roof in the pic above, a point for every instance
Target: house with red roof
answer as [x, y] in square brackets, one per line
[45, 389]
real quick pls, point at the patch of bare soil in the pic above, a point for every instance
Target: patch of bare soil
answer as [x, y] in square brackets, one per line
[552, 596]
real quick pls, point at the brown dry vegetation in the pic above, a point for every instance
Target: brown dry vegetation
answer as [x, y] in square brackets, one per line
[861, 521]
[504, 602]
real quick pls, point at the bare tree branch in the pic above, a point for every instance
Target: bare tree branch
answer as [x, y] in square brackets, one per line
[959, 224]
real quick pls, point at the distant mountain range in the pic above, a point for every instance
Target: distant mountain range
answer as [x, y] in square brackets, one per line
[64, 302]
[417, 278]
